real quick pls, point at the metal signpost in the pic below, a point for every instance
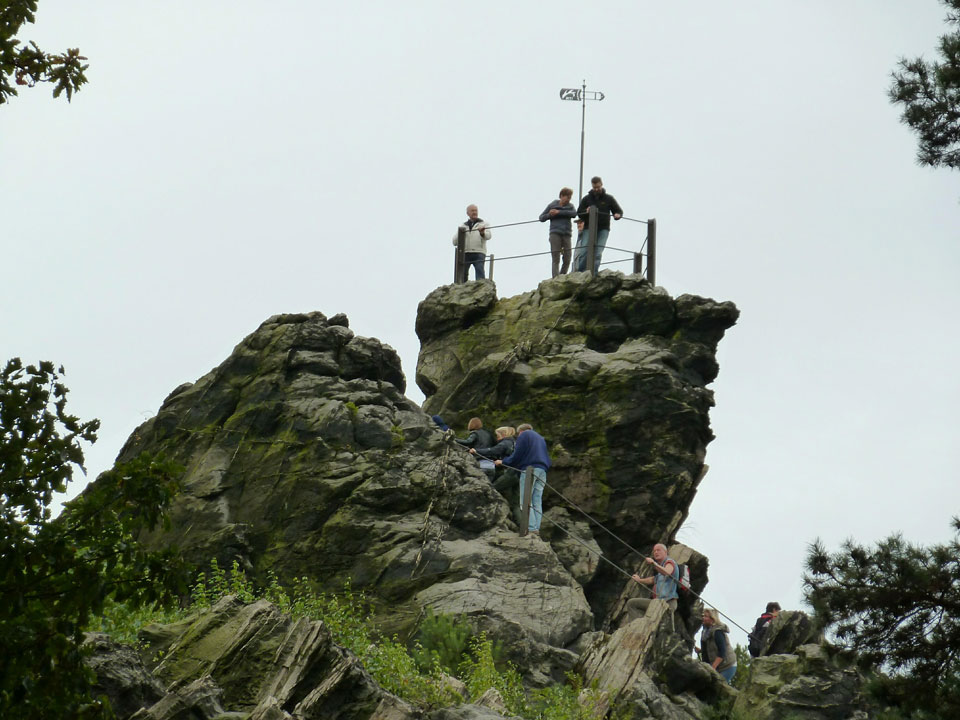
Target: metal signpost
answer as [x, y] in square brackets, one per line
[581, 95]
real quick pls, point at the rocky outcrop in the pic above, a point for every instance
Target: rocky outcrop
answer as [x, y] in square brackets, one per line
[244, 661]
[788, 631]
[612, 371]
[807, 685]
[301, 456]
[646, 666]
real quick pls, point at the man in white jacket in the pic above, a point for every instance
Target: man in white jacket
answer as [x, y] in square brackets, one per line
[475, 245]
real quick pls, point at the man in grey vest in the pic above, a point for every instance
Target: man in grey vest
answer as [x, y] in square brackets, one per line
[663, 584]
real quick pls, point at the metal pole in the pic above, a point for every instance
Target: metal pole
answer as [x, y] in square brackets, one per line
[490, 274]
[637, 263]
[652, 251]
[583, 122]
[460, 268]
[592, 217]
[527, 497]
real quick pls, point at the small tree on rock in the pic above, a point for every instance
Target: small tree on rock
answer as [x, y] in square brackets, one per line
[897, 605]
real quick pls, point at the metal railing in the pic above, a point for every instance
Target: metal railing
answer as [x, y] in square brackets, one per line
[644, 260]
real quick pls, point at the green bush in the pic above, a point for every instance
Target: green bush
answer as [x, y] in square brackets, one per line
[743, 667]
[441, 639]
[479, 672]
[444, 645]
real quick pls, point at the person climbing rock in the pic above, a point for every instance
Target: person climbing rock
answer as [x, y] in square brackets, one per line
[506, 442]
[531, 451]
[755, 638]
[663, 583]
[477, 437]
[715, 648]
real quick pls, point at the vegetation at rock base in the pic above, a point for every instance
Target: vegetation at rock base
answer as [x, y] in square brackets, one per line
[57, 573]
[930, 95]
[416, 673]
[442, 639]
[897, 605]
[27, 64]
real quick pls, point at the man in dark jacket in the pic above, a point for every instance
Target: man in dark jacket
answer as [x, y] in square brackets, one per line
[607, 207]
[559, 213]
[756, 636]
[531, 451]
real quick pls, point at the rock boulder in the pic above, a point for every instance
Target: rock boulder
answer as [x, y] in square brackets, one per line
[612, 371]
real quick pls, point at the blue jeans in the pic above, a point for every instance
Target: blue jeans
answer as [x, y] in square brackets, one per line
[580, 253]
[728, 673]
[536, 499]
[475, 259]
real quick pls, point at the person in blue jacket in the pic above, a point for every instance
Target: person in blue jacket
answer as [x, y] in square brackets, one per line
[531, 451]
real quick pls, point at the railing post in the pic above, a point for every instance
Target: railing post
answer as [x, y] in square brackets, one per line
[652, 251]
[637, 263]
[527, 497]
[592, 217]
[490, 273]
[459, 267]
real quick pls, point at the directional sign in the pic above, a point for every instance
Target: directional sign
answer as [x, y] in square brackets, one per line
[576, 94]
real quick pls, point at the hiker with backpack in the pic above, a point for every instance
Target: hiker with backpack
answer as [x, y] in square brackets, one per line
[756, 636]
[663, 583]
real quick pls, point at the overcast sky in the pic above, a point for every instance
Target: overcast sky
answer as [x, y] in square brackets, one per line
[230, 160]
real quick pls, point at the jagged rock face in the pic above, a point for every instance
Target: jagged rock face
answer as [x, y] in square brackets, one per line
[613, 372]
[807, 685]
[301, 456]
[788, 631]
[646, 666]
[237, 658]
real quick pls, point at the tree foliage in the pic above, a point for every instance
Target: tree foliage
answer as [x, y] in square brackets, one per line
[930, 95]
[897, 605]
[56, 574]
[27, 64]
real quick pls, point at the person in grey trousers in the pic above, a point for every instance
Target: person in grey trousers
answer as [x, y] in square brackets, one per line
[559, 213]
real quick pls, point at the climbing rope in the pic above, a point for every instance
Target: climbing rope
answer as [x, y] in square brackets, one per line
[612, 534]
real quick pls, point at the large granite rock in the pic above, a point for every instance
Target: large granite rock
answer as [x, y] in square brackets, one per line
[646, 665]
[807, 685]
[788, 631]
[301, 456]
[612, 371]
[243, 661]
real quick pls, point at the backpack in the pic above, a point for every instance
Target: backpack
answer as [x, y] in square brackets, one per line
[755, 636]
[683, 581]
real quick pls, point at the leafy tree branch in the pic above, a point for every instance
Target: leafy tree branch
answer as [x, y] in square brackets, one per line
[26, 64]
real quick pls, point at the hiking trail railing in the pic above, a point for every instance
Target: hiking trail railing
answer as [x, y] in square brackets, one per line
[644, 260]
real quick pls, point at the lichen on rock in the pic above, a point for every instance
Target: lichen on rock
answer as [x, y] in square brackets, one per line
[611, 370]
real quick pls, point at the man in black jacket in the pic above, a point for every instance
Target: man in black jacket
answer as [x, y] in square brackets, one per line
[607, 206]
[756, 636]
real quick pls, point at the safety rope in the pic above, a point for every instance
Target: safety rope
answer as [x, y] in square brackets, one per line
[612, 534]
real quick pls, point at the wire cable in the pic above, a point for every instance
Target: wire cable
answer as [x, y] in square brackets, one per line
[616, 537]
